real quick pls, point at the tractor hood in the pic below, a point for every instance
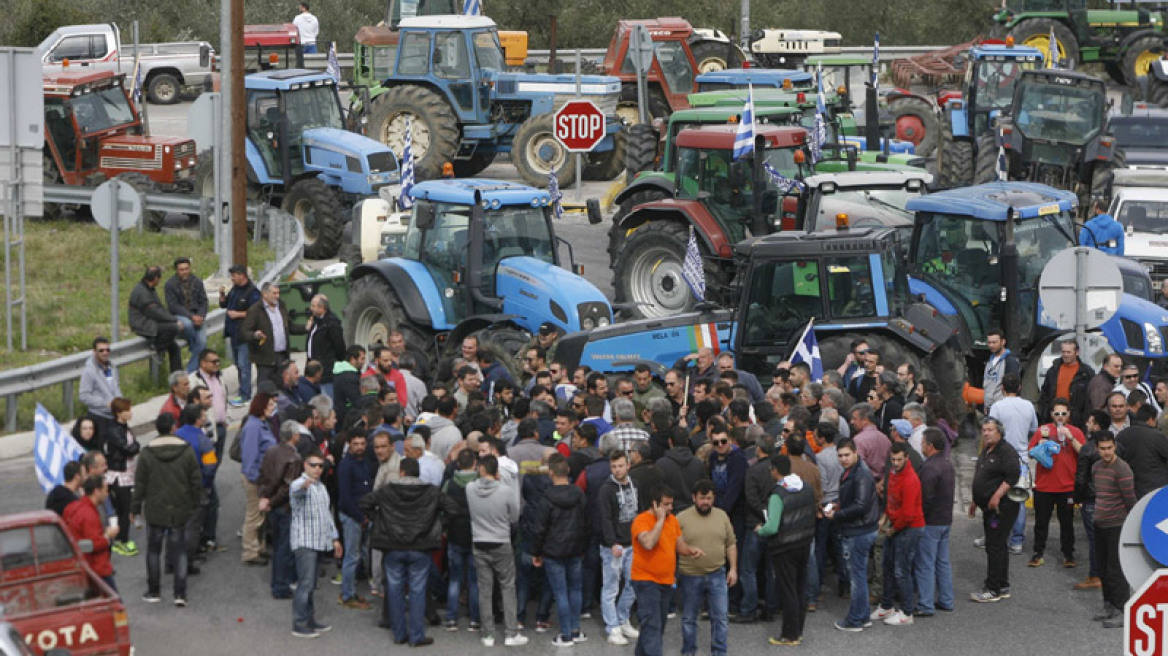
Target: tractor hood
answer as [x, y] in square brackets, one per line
[604, 90]
[660, 340]
[1139, 328]
[535, 291]
[356, 163]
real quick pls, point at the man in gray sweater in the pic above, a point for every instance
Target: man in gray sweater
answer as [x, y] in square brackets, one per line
[99, 384]
[493, 509]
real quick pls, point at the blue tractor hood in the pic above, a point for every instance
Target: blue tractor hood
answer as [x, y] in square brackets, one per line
[525, 84]
[759, 77]
[1139, 328]
[332, 152]
[535, 291]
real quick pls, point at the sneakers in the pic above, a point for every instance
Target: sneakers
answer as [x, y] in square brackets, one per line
[238, 401]
[560, 641]
[1004, 593]
[586, 615]
[629, 631]
[305, 633]
[785, 642]
[488, 641]
[898, 619]
[180, 602]
[517, 640]
[881, 613]
[336, 580]
[979, 542]
[839, 624]
[1037, 561]
[123, 549]
[542, 627]
[473, 627]
[151, 597]
[451, 625]
[1108, 612]
[1114, 623]
[322, 628]
[579, 636]
[1089, 583]
[615, 637]
[424, 642]
[1069, 563]
[1016, 549]
[985, 596]
[353, 603]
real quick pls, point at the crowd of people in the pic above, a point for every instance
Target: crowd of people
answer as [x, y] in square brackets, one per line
[482, 486]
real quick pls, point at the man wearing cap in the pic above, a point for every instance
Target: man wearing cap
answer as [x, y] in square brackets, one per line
[545, 338]
[242, 295]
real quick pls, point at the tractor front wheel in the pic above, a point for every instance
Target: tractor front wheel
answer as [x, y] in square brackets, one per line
[1139, 57]
[536, 153]
[616, 234]
[954, 161]
[916, 121]
[374, 310]
[1035, 32]
[316, 206]
[647, 271]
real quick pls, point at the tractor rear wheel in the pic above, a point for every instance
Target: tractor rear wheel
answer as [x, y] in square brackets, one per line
[946, 367]
[647, 271]
[1139, 56]
[986, 167]
[915, 120]
[468, 168]
[536, 152]
[608, 164]
[954, 160]
[374, 310]
[434, 127]
[616, 236]
[1101, 176]
[1035, 32]
[504, 340]
[153, 221]
[641, 148]
[715, 56]
[1158, 92]
[318, 209]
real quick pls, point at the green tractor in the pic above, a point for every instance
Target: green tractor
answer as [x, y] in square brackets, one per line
[1125, 41]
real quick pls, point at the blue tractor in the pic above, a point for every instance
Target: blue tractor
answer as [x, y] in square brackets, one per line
[763, 78]
[480, 257]
[987, 91]
[448, 80]
[300, 157]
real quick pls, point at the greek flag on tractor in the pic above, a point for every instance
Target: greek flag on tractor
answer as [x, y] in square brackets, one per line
[744, 140]
[820, 136]
[807, 350]
[407, 169]
[876, 62]
[782, 182]
[556, 194]
[691, 269]
[334, 66]
[1003, 166]
[472, 7]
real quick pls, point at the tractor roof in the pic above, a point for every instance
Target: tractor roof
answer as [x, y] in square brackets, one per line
[285, 79]
[65, 82]
[377, 35]
[659, 28]
[721, 137]
[446, 22]
[838, 60]
[763, 97]
[993, 201]
[1002, 51]
[462, 191]
[279, 34]
[1062, 76]
[792, 244]
[867, 179]
[722, 113]
[770, 77]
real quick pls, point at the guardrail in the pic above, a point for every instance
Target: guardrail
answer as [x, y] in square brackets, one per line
[282, 230]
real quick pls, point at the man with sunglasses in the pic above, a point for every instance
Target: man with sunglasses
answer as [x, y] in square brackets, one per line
[312, 532]
[1129, 381]
[99, 386]
[1054, 486]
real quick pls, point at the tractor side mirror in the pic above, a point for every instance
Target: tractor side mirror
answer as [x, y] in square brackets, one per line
[424, 215]
[592, 205]
[204, 56]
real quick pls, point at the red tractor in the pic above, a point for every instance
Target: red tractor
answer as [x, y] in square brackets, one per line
[93, 133]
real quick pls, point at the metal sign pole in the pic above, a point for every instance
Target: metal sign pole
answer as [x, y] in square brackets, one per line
[141, 92]
[579, 157]
[1080, 296]
[8, 261]
[115, 228]
[744, 33]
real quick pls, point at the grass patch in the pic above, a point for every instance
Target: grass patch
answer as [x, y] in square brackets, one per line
[67, 282]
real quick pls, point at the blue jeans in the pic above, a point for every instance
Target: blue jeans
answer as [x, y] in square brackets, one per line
[1087, 512]
[652, 610]
[591, 571]
[241, 357]
[352, 534]
[934, 575]
[531, 578]
[327, 389]
[283, 565]
[694, 589]
[309, 48]
[404, 568]
[303, 607]
[460, 559]
[176, 549]
[752, 560]
[564, 578]
[196, 341]
[1018, 534]
[901, 549]
[616, 612]
[854, 550]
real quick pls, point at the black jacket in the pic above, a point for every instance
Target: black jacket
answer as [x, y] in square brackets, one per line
[186, 300]
[1088, 456]
[168, 482]
[938, 478]
[1079, 402]
[681, 470]
[146, 311]
[405, 515]
[562, 527]
[458, 517]
[758, 488]
[118, 447]
[797, 524]
[238, 299]
[580, 459]
[994, 467]
[1146, 452]
[647, 478]
[859, 510]
[326, 343]
[594, 476]
[346, 391]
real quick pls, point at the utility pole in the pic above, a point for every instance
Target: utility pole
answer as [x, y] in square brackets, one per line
[236, 142]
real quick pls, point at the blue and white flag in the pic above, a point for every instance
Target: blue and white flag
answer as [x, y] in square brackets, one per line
[782, 182]
[1052, 50]
[744, 140]
[334, 67]
[691, 269]
[819, 138]
[54, 447]
[136, 90]
[807, 350]
[556, 194]
[405, 201]
[1003, 166]
[876, 63]
[472, 7]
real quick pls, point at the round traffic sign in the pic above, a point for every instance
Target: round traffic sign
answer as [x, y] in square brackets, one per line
[1135, 561]
[1154, 526]
[579, 125]
[116, 203]
[1058, 288]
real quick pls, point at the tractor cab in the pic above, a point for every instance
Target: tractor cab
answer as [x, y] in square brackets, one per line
[761, 78]
[852, 200]
[673, 71]
[990, 81]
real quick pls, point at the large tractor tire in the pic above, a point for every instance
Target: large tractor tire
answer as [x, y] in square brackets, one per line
[1035, 32]
[641, 146]
[374, 310]
[715, 56]
[1139, 56]
[916, 121]
[954, 161]
[608, 164]
[505, 340]
[946, 367]
[617, 236]
[469, 168]
[647, 271]
[986, 167]
[434, 127]
[893, 352]
[153, 221]
[1158, 92]
[318, 209]
[50, 175]
[536, 152]
[1114, 70]
[1101, 177]
[163, 89]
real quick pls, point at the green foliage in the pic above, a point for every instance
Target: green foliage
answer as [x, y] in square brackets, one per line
[28, 22]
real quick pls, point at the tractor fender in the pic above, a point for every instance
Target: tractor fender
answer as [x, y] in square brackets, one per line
[958, 121]
[689, 212]
[420, 297]
[903, 94]
[1134, 35]
[644, 182]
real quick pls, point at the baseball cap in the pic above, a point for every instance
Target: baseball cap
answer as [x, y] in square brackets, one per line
[547, 328]
[903, 427]
[237, 268]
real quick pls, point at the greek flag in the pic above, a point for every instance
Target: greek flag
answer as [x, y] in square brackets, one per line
[405, 201]
[744, 140]
[819, 138]
[334, 67]
[54, 447]
[472, 7]
[1052, 50]
[136, 91]
[1003, 165]
[557, 195]
[876, 63]
[807, 350]
[782, 182]
[691, 269]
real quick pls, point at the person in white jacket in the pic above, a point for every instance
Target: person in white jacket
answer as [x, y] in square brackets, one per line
[99, 384]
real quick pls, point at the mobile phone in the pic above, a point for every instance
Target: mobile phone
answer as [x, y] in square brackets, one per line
[828, 507]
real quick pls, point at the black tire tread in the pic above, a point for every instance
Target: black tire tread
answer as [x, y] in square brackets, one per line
[329, 224]
[1062, 33]
[536, 177]
[425, 106]
[922, 110]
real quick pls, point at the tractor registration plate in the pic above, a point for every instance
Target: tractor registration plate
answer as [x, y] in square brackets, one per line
[1048, 209]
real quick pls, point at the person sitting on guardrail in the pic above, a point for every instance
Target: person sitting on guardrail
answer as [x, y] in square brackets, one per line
[187, 301]
[150, 319]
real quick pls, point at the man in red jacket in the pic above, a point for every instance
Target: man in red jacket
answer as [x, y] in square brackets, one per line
[84, 522]
[1054, 486]
[903, 526]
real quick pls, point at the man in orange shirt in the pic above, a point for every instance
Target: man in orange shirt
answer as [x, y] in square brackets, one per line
[1067, 378]
[656, 543]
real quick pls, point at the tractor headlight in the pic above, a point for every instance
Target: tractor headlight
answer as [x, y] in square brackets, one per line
[602, 322]
[1153, 341]
[588, 323]
[592, 314]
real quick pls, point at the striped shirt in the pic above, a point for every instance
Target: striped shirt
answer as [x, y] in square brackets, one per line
[629, 436]
[1115, 492]
[312, 522]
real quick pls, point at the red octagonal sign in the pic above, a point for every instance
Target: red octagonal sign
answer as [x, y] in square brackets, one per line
[1145, 633]
[579, 125]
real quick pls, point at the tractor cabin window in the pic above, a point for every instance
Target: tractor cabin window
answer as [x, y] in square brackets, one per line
[783, 297]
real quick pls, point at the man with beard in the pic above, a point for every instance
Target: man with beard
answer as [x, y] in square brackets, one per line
[710, 576]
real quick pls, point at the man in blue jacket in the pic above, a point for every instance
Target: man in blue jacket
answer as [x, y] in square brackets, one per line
[354, 480]
[1102, 231]
[192, 421]
[858, 517]
[243, 295]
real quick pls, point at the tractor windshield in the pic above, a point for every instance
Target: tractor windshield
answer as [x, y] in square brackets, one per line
[783, 297]
[1055, 112]
[488, 51]
[312, 107]
[725, 185]
[995, 83]
[675, 66]
[101, 110]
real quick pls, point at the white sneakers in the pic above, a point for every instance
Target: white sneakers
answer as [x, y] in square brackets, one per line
[517, 640]
[898, 619]
[880, 613]
[629, 631]
[615, 637]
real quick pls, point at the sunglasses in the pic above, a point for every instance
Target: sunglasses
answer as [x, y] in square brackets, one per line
[628, 393]
[1130, 376]
[316, 465]
[103, 350]
[1060, 414]
[786, 430]
[719, 442]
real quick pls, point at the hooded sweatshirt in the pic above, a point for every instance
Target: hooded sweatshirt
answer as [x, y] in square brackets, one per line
[494, 507]
[617, 509]
[681, 469]
[443, 434]
[167, 482]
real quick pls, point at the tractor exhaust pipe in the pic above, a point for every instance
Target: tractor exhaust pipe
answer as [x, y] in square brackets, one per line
[474, 261]
[871, 118]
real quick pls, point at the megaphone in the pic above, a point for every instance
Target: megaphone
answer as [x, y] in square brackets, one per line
[1020, 493]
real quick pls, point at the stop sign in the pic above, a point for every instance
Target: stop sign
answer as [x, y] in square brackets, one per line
[1145, 633]
[579, 125]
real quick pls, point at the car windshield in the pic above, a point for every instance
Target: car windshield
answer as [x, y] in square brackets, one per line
[488, 51]
[1054, 112]
[101, 110]
[866, 208]
[1144, 216]
[1137, 285]
[1143, 132]
[995, 83]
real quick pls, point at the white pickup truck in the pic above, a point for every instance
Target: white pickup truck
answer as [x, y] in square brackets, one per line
[167, 68]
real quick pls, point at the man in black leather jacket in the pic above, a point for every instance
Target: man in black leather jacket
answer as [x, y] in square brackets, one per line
[858, 518]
